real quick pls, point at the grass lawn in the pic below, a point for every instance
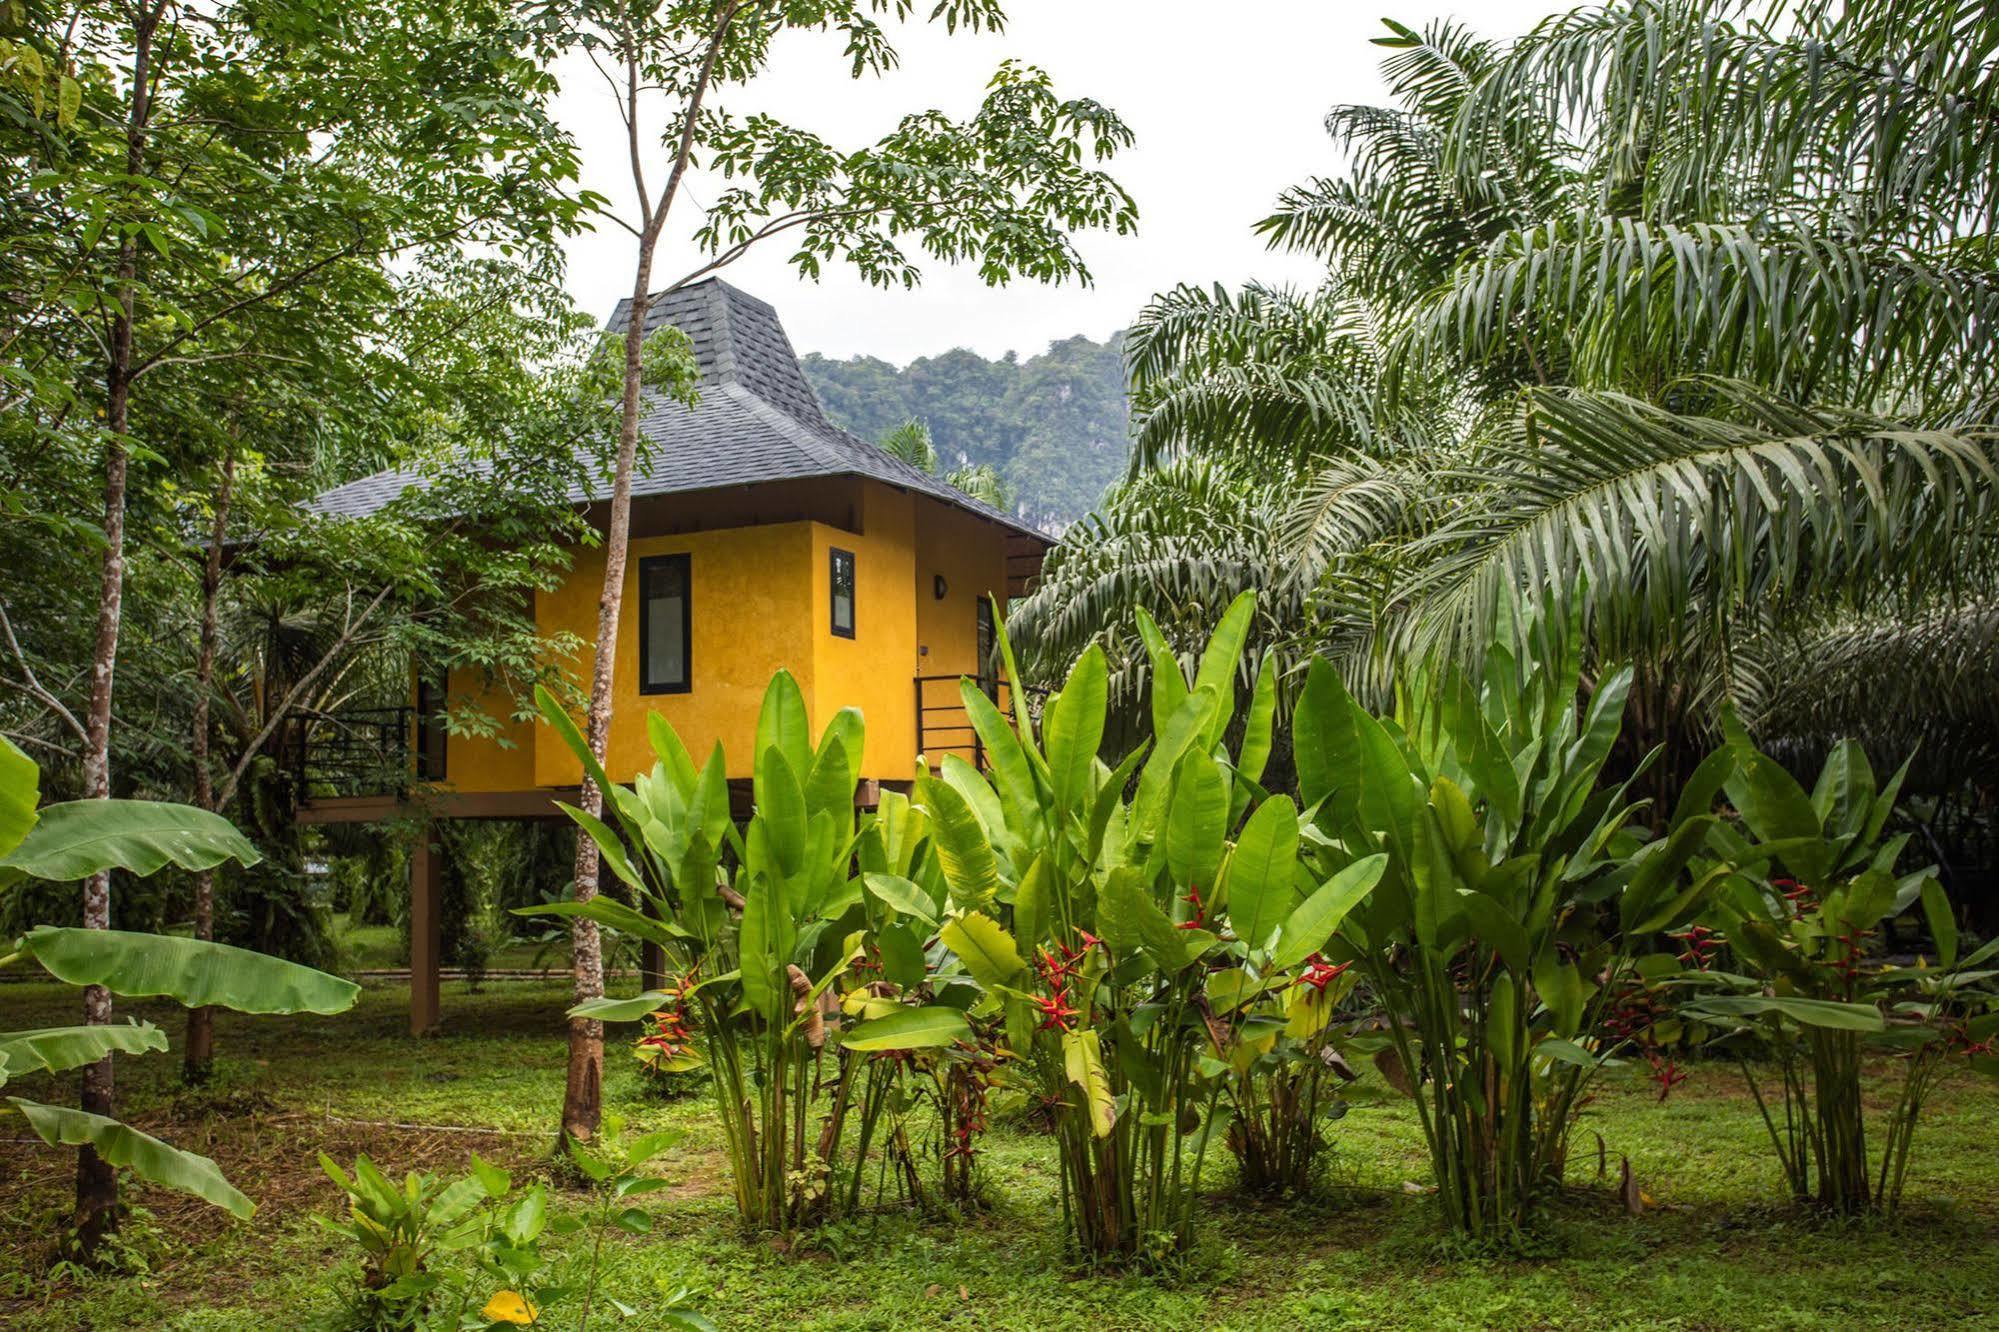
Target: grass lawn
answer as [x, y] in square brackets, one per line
[1717, 1251]
[381, 948]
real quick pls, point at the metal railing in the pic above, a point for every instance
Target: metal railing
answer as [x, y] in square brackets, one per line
[943, 726]
[359, 752]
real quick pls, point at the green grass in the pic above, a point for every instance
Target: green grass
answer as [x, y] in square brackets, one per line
[381, 948]
[1717, 1251]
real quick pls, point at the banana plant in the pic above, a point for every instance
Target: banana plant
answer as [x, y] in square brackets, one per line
[760, 926]
[1125, 922]
[1516, 893]
[1817, 881]
[74, 840]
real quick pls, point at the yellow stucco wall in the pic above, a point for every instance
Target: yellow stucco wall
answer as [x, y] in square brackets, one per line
[872, 670]
[971, 554]
[752, 615]
[762, 599]
[481, 763]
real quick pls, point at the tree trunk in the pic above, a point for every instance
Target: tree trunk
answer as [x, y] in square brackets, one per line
[96, 1179]
[582, 1102]
[199, 1055]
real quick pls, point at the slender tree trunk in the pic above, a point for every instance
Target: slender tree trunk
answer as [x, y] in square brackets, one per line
[582, 1103]
[96, 1179]
[583, 1099]
[199, 1055]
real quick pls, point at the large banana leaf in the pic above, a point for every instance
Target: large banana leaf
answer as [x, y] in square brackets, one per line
[20, 791]
[53, 1049]
[195, 973]
[145, 1156]
[79, 838]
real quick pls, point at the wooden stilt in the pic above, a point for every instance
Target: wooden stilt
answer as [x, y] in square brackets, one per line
[426, 930]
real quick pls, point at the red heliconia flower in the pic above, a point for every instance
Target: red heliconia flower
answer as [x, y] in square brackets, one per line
[1665, 1072]
[1320, 973]
[1056, 1014]
[1701, 945]
[1200, 917]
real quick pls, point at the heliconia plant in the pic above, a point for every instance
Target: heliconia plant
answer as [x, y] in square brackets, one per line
[759, 941]
[1516, 893]
[1819, 995]
[1129, 923]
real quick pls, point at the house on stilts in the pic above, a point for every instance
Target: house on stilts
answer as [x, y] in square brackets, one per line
[762, 537]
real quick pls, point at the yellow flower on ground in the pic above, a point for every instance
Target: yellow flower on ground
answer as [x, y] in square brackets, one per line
[510, 1306]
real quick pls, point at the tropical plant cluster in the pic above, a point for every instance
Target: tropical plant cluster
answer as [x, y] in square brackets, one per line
[1171, 963]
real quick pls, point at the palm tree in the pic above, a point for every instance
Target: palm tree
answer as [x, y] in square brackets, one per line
[1676, 318]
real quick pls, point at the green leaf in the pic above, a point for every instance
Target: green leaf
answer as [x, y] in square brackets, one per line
[781, 810]
[963, 852]
[830, 784]
[613, 914]
[54, 1049]
[1828, 1013]
[1183, 732]
[1083, 1062]
[902, 897]
[145, 1156]
[782, 725]
[1261, 722]
[1033, 901]
[1261, 869]
[79, 838]
[69, 101]
[987, 950]
[20, 792]
[1324, 745]
[1130, 919]
[1565, 1052]
[1942, 922]
[762, 950]
[1169, 683]
[606, 1009]
[1220, 660]
[910, 1029]
[1313, 921]
[190, 971]
[1776, 809]
[1197, 822]
[1073, 729]
[609, 848]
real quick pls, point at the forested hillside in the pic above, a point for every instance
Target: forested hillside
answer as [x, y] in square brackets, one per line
[1054, 424]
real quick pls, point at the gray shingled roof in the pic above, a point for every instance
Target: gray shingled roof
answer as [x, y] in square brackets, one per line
[758, 418]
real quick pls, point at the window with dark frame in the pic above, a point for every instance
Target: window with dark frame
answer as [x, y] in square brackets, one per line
[666, 624]
[841, 572]
[988, 668]
[432, 741]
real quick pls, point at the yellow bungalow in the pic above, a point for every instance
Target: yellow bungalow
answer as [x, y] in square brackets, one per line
[763, 537]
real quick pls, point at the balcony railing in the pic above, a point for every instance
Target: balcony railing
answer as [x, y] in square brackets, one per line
[943, 726]
[361, 752]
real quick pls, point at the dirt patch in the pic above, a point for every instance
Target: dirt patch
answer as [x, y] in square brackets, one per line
[272, 1157]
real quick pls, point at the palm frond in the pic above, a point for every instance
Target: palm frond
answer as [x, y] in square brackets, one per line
[1641, 514]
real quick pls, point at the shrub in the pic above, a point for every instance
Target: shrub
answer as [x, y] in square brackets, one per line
[1819, 994]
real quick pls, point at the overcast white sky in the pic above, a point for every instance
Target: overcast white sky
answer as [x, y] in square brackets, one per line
[1226, 100]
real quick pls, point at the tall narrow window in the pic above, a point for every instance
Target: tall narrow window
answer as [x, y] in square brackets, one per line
[431, 738]
[666, 624]
[842, 572]
[988, 668]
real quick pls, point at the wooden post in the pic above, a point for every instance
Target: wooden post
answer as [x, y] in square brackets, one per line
[426, 930]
